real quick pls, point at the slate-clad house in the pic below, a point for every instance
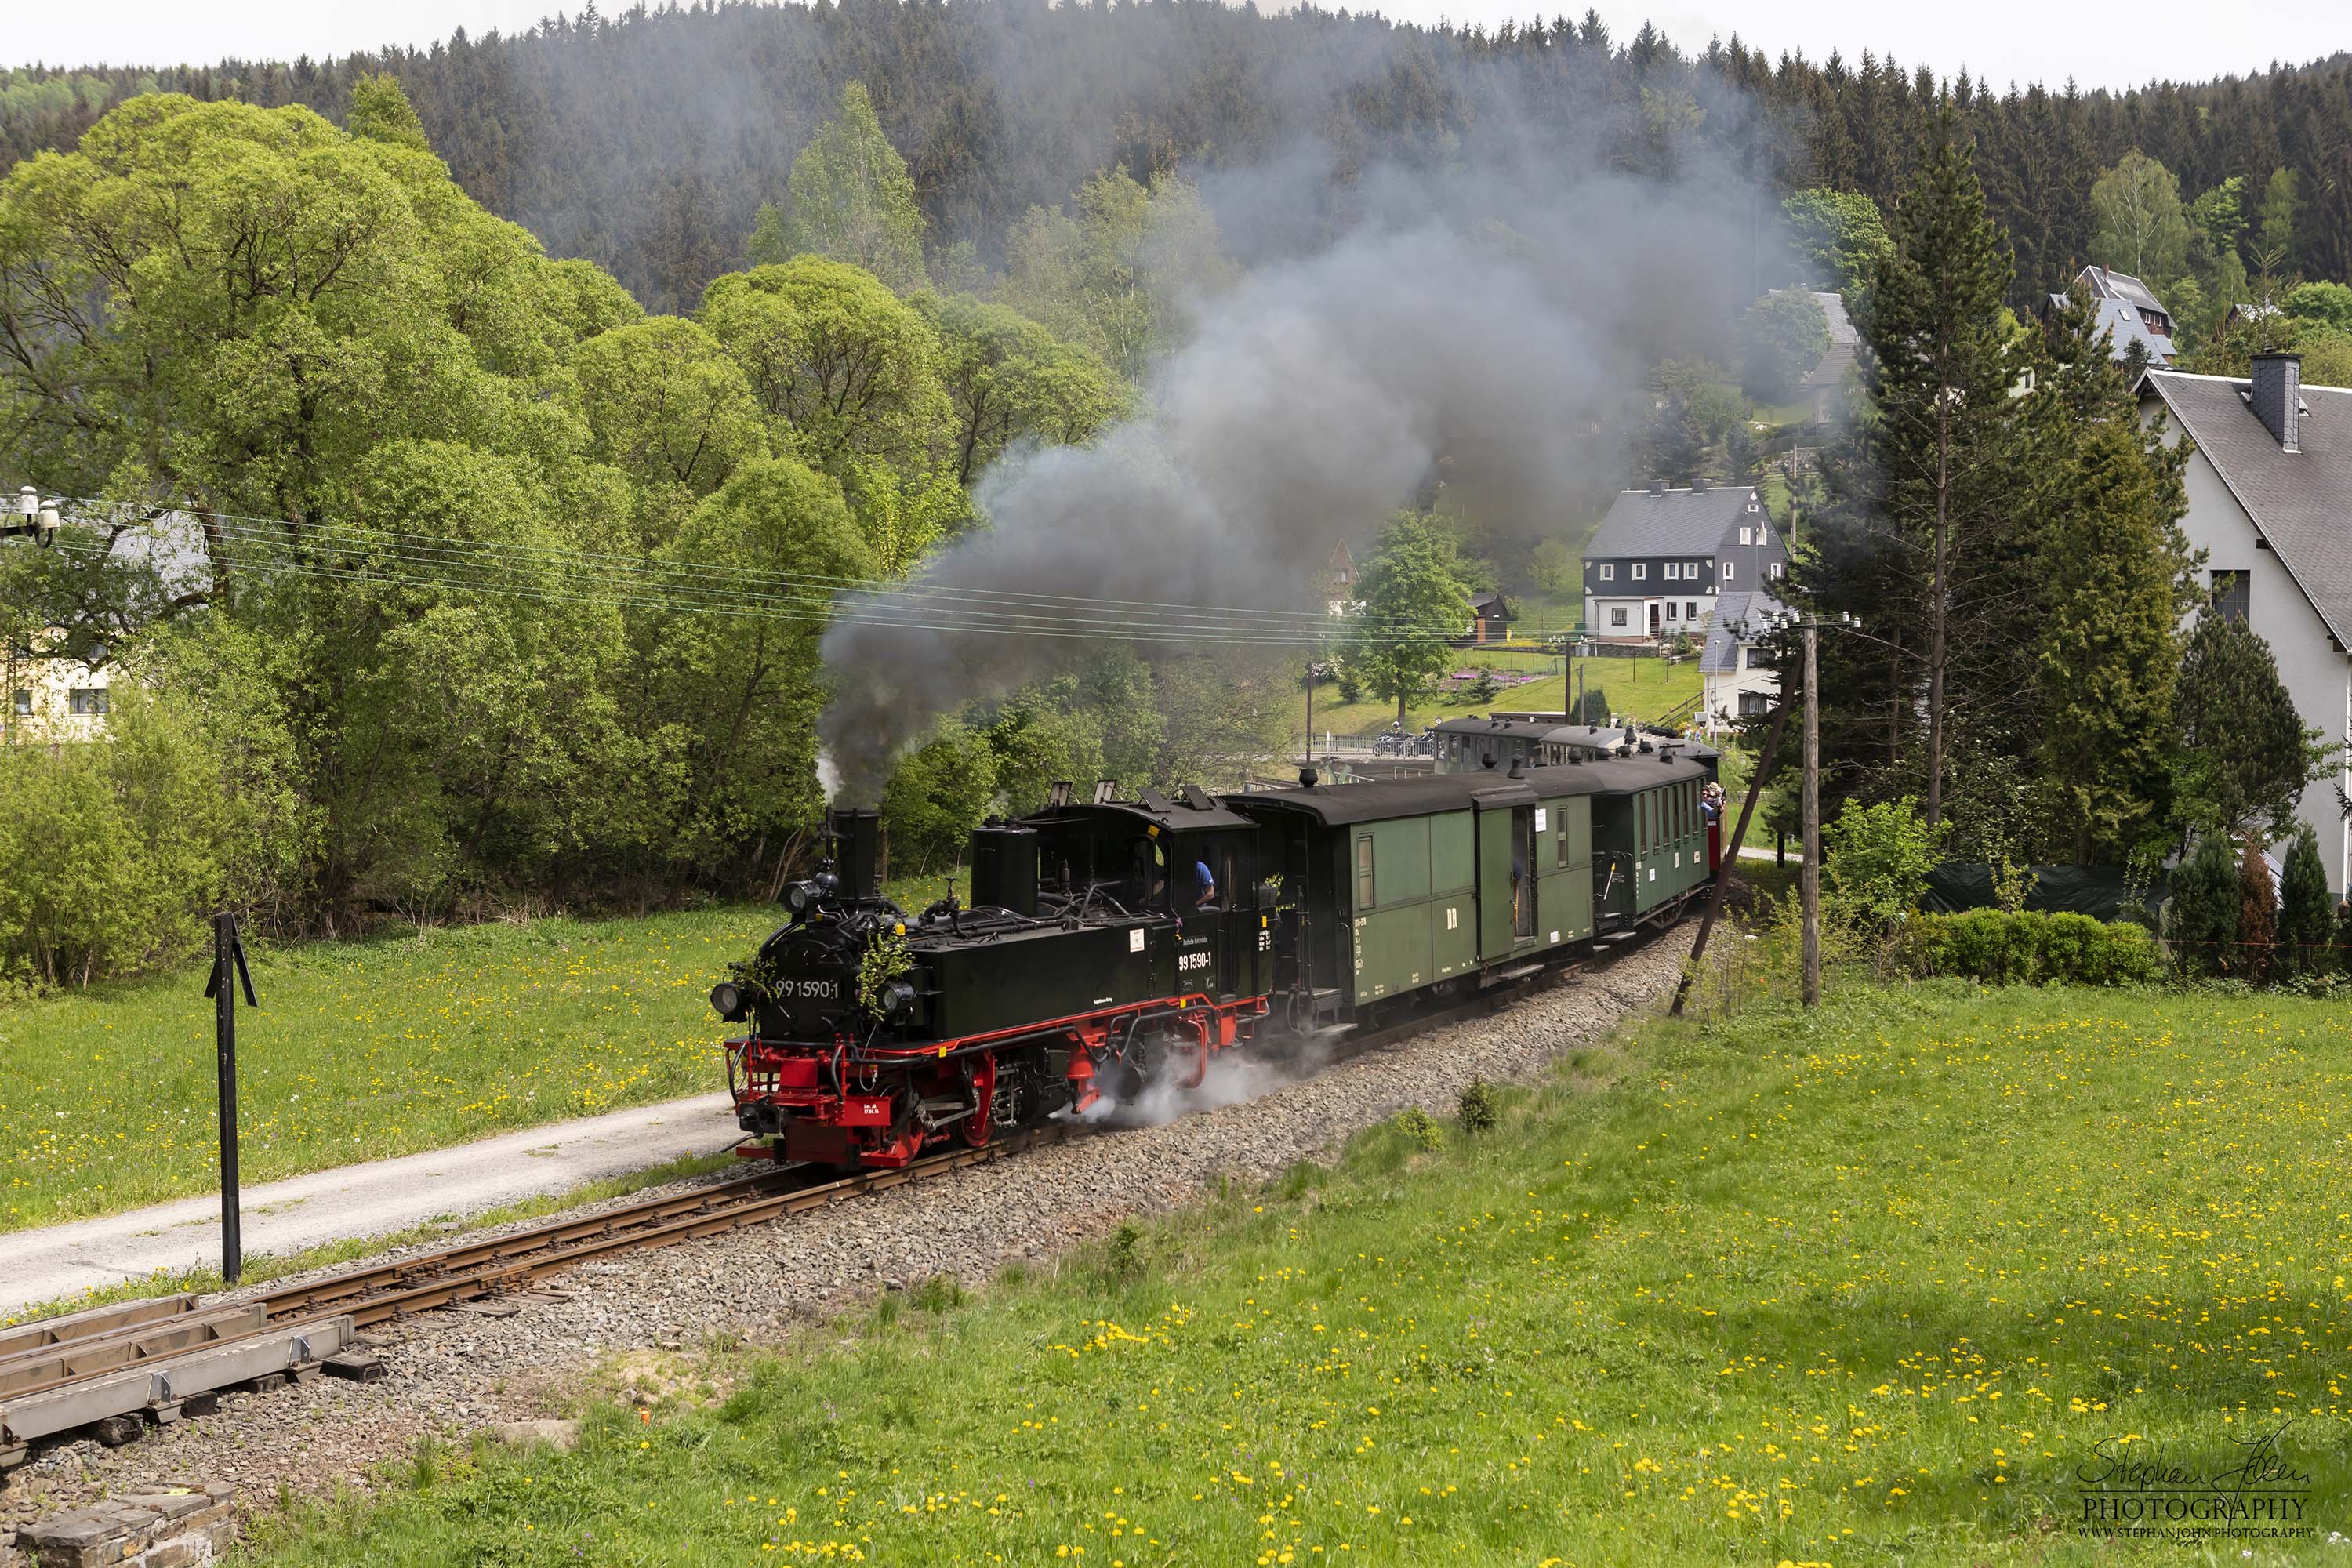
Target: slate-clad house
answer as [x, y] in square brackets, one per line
[2270, 503]
[1659, 559]
[2129, 312]
[1824, 386]
[1737, 676]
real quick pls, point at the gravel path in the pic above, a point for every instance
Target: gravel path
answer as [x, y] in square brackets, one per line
[456, 1370]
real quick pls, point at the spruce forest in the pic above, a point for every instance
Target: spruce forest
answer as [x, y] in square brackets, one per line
[646, 142]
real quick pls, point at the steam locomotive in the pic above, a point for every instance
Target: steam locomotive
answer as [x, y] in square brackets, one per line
[1112, 944]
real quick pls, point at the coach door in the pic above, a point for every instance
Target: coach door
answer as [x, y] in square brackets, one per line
[1506, 869]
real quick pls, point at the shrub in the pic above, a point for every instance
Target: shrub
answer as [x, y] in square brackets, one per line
[1126, 1252]
[1875, 860]
[2257, 913]
[1998, 947]
[119, 849]
[1418, 1129]
[1478, 1107]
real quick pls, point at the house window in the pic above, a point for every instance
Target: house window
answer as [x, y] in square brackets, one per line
[1364, 872]
[1728, 571]
[1744, 536]
[1752, 704]
[1756, 657]
[1777, 566]
[1690, 610]
[1617, 617]
[24, 703]
[2232, 595]
[1690, 571]
[1673, 569]
[1641, 569]
[1608, 571]
[87, 701]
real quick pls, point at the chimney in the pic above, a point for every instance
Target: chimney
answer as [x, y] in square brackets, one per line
[1657, 487]
[2276, 397]
[1698, 483]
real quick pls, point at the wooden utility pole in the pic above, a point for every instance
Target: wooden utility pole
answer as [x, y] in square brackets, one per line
[1809, 875]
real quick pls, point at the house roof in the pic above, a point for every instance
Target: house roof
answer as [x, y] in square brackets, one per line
[1721, 655]
[1670, 522]
[1842, 328]
[2300, 501]
[2119, 319]
[2107, 284]
[1830, 368]
[1492, 606]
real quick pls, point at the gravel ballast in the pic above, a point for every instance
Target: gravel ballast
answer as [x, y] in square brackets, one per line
[456, 1371]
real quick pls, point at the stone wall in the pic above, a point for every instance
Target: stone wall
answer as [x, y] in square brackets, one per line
[167, 1526]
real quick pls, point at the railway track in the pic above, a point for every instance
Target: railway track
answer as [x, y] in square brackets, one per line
[114, 1370]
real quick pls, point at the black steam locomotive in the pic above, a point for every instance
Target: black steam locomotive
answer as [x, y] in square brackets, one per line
[1114, 944]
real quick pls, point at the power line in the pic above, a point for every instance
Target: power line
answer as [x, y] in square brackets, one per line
[800, 611]
[680, 586]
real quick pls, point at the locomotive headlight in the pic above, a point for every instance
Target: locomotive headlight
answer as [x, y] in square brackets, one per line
[897, 999]
[727, 1001]
[798, 895]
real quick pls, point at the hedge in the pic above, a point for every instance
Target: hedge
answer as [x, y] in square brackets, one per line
[2026, 948]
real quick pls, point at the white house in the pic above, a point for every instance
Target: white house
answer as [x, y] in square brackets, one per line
[1736, 673]
[1659, 559]
[52, 697]
[2270, 503]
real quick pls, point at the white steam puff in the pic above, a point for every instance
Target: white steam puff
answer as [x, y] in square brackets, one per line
[1317, 396]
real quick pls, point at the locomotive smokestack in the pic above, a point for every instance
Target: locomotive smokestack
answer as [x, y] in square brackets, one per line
[856, 850]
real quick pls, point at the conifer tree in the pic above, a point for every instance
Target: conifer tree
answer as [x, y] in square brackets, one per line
[2200, 918]
[2244, 754]
[1938, 374]
[2114, 580]
[2306, 919]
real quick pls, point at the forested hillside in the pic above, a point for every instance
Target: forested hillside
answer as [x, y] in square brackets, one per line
[647, 141]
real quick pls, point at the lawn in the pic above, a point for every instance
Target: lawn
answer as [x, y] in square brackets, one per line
[361, 1050]
[1643, 688]
[1864, 1287]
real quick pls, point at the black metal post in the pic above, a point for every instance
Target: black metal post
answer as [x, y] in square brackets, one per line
[229, 972]
[1730, 854]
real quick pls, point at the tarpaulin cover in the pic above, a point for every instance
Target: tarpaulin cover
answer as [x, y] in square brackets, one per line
[2094, 891]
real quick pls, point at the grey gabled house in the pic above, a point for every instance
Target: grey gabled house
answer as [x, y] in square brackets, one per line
[2270, 503]
[1659, 559]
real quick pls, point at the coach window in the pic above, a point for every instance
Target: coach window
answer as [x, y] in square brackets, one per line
[1364, 872]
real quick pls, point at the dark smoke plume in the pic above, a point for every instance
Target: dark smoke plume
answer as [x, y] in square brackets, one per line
[1313, 401]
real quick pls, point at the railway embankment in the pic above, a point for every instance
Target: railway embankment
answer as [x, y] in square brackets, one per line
[656, 1315]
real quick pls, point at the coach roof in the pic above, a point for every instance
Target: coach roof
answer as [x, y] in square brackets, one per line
[1382, 800]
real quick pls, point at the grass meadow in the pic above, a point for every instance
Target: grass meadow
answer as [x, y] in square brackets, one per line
[1639, 687]
[361, 1050]
[1871, 1286]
